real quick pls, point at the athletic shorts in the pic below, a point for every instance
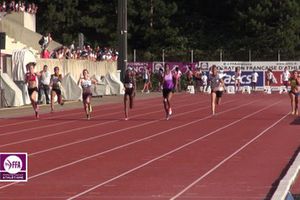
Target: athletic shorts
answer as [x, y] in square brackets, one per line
[57, 91]
[294, 93]
[270, 81]
[166, 92]
[86, 95]
[218, 93]
[129, 91]
[31, 90]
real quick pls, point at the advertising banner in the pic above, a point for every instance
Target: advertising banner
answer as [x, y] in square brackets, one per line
[139, 66]
[183, 66]
[228, 68]
[246, 78]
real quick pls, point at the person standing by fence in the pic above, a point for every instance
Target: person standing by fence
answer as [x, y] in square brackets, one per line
[254, 77]
[146, 79]
[178, 74]
[237, 79]
[284, 79]
[44, 84]
[270, 79]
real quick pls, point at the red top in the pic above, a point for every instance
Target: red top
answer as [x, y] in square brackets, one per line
[45, 54]
[31, 77]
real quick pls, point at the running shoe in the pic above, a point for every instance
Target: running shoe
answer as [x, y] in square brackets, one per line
[37, 116]
[88, 116]
[170, 111]
[167, 117]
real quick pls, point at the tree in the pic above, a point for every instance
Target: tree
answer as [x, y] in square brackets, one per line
[60, 18]
[269, 25]
[149, 26]
[153, 25]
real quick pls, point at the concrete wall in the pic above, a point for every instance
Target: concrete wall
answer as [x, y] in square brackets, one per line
[24, 19]
[10, 24]
[75, 67]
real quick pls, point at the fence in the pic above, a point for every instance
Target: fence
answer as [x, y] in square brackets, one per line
[172, 55]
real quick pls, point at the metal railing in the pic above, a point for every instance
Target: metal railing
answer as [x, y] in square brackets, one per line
[195, 55]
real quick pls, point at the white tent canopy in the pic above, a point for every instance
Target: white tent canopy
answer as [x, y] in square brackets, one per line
[20, 58]
[71, 90]
[12, 94]
[116, 86]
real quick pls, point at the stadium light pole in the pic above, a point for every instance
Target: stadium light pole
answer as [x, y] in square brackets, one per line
[134, 55]
[249, 55]
[163, 57]
[122, 37]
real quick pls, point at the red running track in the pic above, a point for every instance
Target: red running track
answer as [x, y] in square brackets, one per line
[240, 153]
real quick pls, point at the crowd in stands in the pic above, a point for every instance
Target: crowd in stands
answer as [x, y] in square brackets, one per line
[72, 52]
[18, 6]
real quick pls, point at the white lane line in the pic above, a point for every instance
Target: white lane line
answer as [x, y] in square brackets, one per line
[287, 181]
[226, 159]
[121, 146]
[70, 114]
[99, 124]
[167, 154]
[69, 122]
[116, 131]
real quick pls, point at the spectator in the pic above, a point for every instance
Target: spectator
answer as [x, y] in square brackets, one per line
[87, 52]
[34, 8]
[204, 79]
[29, 9]
[146, 78]
[237, 79]
[60, 54]
[45, 53]
[189, 76]
[178, 74]
[12, 6]
[284, 79]
[22, 7]
[4, 6]
[17, 6]
[72, 46]
[45, 41]
[198, 80]
[254, 77]
[45, 76]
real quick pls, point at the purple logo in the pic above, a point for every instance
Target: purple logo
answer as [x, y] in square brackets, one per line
[13, 167]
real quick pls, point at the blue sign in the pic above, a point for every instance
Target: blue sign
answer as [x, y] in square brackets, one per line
[246, 78]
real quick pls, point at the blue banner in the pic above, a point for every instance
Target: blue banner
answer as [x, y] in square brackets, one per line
[246, 78]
